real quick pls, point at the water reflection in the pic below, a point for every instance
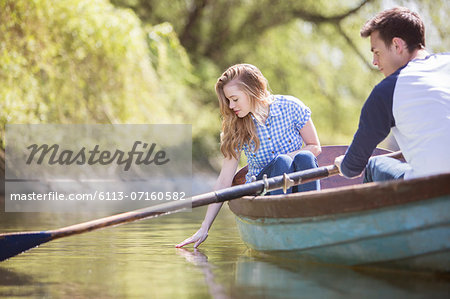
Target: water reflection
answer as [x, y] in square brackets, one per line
[277, 278]
[139, 260]
[270, 277]
[200, 260]
[16, 284]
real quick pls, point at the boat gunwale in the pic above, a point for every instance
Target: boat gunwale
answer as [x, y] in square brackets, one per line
[340, 200]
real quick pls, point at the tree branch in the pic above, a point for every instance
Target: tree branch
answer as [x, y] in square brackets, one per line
[317, 18]
[188, 38]
[353, 46]
[260, 20]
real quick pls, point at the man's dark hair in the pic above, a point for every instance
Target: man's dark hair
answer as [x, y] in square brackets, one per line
[397, 22]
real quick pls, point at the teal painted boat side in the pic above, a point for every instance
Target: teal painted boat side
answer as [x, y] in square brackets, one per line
[415, 234]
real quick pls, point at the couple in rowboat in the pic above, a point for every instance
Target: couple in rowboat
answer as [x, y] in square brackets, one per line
[413, 100]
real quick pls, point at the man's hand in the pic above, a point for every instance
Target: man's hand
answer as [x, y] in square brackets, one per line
[338, 162]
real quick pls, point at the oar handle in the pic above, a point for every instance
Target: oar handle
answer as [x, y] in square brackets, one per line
[282, 181]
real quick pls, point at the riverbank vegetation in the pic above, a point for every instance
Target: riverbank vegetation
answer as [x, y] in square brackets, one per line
[150, 61]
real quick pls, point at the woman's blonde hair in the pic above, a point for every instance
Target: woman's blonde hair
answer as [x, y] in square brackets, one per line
[239, 131]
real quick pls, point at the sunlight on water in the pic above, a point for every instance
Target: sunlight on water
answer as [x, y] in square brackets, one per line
[139, 260]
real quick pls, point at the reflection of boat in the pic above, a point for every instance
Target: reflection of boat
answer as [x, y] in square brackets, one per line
[398, 223]
[271, 277]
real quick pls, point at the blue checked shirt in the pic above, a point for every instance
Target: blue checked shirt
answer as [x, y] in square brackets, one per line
[280, 133]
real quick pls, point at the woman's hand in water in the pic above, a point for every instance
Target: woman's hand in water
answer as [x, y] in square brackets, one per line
[198, 238]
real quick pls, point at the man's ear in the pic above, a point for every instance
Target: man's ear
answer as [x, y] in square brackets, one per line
[399, 45]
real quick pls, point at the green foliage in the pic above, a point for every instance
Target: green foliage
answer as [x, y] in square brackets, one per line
[312, 63]
[183, 89]
[74, 61]
[151, 61]
[78, 61]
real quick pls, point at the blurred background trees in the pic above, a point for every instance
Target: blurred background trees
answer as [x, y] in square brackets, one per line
[151, 61]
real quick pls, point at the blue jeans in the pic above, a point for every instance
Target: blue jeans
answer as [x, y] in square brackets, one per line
[285, 164]
[381, 169]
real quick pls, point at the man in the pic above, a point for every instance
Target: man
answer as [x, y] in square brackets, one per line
[413, 100]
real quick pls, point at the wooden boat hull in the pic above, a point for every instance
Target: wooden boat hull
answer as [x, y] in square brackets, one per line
[415, 235]
[398, 224]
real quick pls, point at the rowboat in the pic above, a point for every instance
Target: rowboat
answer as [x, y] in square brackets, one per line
[401, 224]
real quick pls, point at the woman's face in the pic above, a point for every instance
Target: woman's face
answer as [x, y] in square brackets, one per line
[238, 100]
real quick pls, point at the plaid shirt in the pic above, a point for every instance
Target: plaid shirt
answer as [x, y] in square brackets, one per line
[280, 133]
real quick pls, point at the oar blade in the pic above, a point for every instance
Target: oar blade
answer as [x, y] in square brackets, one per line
[16, 243]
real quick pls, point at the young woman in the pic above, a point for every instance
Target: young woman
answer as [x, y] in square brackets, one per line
[270, 129]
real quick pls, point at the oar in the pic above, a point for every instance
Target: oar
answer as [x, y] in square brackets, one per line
[12, 244]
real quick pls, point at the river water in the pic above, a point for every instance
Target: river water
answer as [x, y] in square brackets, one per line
[138, 260]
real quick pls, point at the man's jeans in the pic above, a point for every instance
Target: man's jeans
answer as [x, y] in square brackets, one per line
[381, 169]
[285, 164]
